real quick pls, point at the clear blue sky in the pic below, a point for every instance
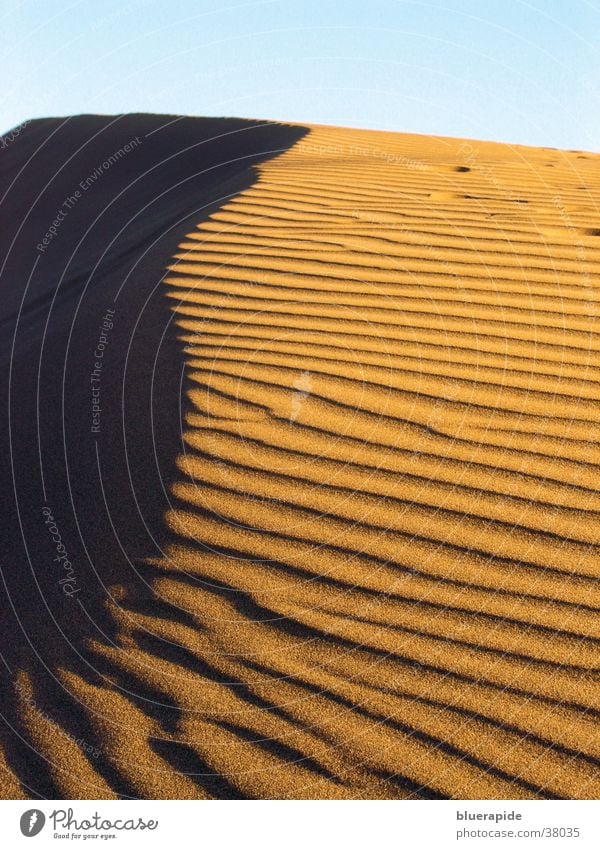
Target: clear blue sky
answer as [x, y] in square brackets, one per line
[509, 70]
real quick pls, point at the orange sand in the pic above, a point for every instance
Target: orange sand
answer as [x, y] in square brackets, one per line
[387, 509]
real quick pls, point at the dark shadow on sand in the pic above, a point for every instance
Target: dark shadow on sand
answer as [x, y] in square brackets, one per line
[92, 209]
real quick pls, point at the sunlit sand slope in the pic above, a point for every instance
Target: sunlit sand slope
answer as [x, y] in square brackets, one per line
[388, 505]
[384, 522]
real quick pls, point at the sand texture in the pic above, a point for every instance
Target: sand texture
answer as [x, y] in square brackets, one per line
[374, 570]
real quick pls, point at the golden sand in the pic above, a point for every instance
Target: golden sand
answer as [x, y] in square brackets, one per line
[387, 509]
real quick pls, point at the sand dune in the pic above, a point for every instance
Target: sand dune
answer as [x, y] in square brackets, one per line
[375, 570]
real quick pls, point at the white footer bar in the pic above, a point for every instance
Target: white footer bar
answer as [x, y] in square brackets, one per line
[302, 825]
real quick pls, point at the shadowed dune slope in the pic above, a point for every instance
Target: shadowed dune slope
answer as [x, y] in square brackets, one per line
[364, 562]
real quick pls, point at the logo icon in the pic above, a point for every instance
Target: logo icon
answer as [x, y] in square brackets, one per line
[32, 822]
[302, 386]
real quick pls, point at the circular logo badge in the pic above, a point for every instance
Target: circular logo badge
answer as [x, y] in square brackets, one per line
[32, 822]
